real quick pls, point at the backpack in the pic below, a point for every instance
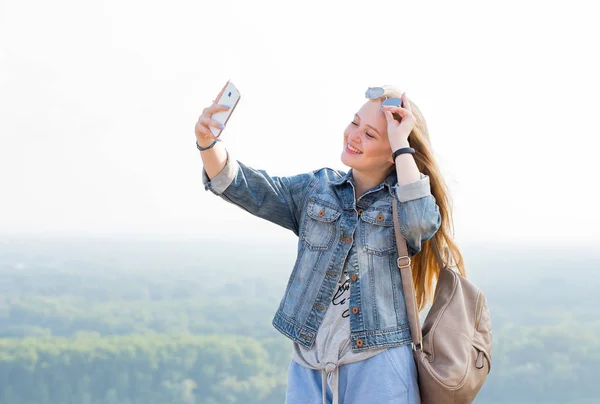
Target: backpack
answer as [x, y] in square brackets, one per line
[453, 351]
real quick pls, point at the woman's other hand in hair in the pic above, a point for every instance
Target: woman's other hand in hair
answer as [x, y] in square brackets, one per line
[398, 132]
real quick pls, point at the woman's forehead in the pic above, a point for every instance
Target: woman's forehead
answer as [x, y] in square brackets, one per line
[371, 114]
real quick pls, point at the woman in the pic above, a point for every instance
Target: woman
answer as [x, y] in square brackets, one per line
[343, 307]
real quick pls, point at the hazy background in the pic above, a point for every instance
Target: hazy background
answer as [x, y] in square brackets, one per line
[98, 102]
[114, 260]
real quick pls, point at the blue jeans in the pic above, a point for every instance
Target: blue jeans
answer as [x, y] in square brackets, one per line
[389, 377]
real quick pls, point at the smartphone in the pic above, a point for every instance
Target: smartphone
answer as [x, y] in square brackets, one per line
[230, 97]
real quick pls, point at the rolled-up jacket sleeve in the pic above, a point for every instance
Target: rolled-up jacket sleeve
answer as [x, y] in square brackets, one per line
[413, 190]
[221, 181]
[273, 198]
[419, 213]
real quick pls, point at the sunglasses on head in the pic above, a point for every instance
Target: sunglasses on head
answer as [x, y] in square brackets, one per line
[374, 93]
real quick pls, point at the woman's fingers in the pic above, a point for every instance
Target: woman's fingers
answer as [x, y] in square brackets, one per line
[221, 92]
[204, 131]
[399, 110]
[403, 111]
[206, 121]
[405, 102]
[208, 111]
[389, 116]
[204, 124]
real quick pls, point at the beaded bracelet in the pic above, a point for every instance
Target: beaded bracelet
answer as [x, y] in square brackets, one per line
[206, 148]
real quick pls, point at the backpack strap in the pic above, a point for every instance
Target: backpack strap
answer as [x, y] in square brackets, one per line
[404, 265]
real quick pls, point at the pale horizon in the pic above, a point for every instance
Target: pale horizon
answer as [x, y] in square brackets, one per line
[98, 103]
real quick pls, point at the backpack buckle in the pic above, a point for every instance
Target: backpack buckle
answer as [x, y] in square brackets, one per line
[403, 266]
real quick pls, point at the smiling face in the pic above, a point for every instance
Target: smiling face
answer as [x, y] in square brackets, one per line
[366, 145]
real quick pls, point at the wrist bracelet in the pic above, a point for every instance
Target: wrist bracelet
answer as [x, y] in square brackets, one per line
[205, 148]
[401, 151]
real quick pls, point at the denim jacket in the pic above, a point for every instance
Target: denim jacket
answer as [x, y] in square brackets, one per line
[320, 207]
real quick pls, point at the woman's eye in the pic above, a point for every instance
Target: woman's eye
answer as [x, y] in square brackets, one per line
[368, 134]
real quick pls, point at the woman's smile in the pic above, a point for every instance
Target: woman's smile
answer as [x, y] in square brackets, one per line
[351, 149]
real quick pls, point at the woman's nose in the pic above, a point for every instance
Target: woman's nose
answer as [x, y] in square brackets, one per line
[354, 136]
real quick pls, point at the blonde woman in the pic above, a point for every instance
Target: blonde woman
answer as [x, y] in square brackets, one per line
[343, 308]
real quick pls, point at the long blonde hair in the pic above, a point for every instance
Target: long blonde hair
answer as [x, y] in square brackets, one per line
[425, 268]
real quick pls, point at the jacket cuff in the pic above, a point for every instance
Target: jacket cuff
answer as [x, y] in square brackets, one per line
[414, 190]
[221, 181]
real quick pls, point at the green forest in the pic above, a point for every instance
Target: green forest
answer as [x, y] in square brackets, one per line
[170, 323]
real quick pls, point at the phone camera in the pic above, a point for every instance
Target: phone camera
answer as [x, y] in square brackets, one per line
[229, 95]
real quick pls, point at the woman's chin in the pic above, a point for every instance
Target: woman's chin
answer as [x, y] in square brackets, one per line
[347, 160]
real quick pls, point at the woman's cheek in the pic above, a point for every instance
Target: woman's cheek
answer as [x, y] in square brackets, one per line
[347, 132]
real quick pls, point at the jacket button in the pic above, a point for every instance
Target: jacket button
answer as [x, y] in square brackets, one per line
[355, 310]
[360, 212]
[347, 240]
[359, 343]
[354, 277]
[321, 213]
[380, 218]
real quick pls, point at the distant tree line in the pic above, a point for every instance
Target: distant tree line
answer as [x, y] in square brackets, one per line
[142, 369]
[90, 336]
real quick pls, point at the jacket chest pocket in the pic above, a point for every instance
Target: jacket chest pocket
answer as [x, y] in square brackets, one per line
[320, 224]
[378, 231]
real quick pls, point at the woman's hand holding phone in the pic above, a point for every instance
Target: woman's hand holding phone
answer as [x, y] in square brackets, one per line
[204, 135]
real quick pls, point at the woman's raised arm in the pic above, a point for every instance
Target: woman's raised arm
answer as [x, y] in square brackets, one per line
[276, 199]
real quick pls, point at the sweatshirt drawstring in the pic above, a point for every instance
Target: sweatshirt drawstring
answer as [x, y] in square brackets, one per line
[333, 370]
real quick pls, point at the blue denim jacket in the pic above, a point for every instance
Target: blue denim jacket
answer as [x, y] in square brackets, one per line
[321, 209]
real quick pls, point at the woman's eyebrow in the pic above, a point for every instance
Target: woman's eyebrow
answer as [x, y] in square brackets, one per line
[376, 131]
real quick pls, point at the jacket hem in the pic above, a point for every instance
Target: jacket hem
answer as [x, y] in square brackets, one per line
[381, 339]
[296, 332]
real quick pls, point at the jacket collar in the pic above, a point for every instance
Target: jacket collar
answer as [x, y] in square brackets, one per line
[390, 180]
[344, 178]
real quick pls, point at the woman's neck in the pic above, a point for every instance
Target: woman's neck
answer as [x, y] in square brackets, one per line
[364, 181]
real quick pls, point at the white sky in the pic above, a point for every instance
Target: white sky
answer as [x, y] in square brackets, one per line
[98, 102]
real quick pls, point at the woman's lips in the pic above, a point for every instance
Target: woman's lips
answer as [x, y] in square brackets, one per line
[350, 151]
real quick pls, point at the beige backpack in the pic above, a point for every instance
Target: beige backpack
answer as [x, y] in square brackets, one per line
[453, 351]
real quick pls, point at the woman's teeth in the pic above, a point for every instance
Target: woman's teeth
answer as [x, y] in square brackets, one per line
[353, 149]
